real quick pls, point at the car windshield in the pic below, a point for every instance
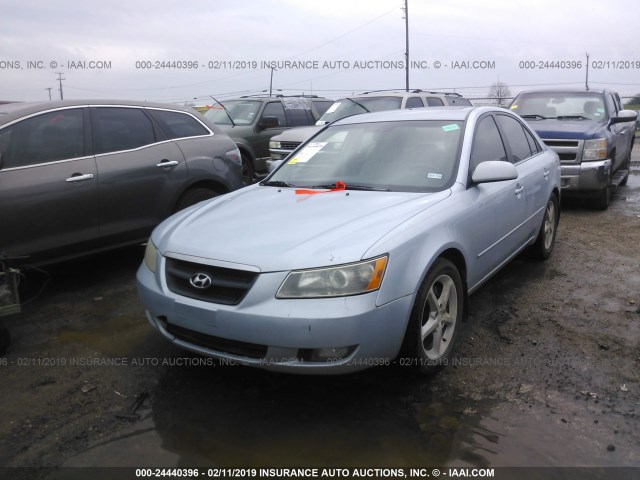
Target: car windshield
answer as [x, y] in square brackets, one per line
[578, 105]
[243, 112]
[353, 106]
[418, 156]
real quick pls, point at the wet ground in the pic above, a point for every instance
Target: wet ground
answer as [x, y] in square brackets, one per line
[546, 374]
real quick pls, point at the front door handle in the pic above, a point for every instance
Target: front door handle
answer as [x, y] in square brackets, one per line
[519, 189]
[546, 173]
[78, 177]
[167, 163]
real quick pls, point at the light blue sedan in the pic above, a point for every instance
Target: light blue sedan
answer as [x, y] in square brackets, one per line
[363, 244]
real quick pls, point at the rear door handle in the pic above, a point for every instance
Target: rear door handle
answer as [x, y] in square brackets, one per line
[519, 189]
[167, 163]
[78, 177]
[546, 173]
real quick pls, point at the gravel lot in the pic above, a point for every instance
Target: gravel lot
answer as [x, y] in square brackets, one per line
[547, 373]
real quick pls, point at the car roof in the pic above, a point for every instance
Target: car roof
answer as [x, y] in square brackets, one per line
[13, 111]
[423, 113]
[564, 90]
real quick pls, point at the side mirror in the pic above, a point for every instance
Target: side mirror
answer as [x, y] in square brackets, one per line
[268, 122]
[625, 116]
[494, 171]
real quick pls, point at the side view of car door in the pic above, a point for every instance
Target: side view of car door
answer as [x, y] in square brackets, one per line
[495, 210]
[48, 184]
[139, 168]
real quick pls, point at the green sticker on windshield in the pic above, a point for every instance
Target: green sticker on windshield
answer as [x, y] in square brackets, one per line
[451, 128]
[600, 110]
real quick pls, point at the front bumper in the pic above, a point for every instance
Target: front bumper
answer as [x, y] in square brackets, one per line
[295, 336]
[585, 177]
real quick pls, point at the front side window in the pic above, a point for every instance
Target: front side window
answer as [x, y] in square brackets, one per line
[275, 109]
[117, 129]
[178, 124]
[48, 137]
[418, 156]
[243, 112]
[487, 144]
[516, 137]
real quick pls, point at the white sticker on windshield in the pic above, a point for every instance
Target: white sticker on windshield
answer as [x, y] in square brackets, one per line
[437, 176]
[307, 153]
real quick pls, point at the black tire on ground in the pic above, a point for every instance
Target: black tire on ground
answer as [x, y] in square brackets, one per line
[436, 318]
[543, 246]
[601, 202]
[248, 174]
[193, 196]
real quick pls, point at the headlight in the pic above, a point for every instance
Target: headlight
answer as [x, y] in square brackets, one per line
[273, 144]
[595, 149]
[352, 279]
[151, 256]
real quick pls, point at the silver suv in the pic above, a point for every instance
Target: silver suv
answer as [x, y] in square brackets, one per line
[282, 145]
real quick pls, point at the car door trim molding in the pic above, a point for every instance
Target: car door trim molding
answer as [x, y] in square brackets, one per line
[537, 212]
[67, 160]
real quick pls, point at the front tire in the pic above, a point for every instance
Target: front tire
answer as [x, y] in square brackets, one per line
[436, 317]
[248, 173]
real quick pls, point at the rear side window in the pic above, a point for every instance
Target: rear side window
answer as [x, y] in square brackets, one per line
[458, 101]
[177, 124]
[434, 102]
[414, 102]
[44, 138]
[298, 117]
[119, 129]
[515, 136]
[487, 144]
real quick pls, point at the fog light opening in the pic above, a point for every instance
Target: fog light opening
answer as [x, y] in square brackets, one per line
[327, 354]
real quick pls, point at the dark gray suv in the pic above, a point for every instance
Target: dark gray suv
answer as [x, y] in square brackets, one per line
[81, 176]
[252, 121]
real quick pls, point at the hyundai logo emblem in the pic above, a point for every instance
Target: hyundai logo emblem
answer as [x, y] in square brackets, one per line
[200, 281]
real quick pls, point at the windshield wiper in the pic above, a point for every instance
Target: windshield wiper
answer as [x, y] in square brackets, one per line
[571, 117]
[359, 104]
[275, 183]
[366, 187]
[534, 115]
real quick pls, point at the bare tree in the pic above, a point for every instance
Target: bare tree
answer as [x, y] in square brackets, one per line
[500, 92]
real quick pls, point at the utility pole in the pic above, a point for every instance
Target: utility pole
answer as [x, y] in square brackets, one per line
[586, 81]
[60, 79]
[49, 88]
[406, 31]
[271, 82]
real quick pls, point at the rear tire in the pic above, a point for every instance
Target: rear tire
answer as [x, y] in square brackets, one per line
[436, 317]
[193, 196]
[543, 246]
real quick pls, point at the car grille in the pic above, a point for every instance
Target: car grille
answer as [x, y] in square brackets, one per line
[228, 286]
[222, 345]
[289, 145]
[569, 151]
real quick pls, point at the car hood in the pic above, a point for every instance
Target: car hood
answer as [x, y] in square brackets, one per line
[573, 129]
[277, 229]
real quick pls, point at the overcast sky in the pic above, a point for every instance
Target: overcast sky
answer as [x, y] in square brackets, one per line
[521, 43]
